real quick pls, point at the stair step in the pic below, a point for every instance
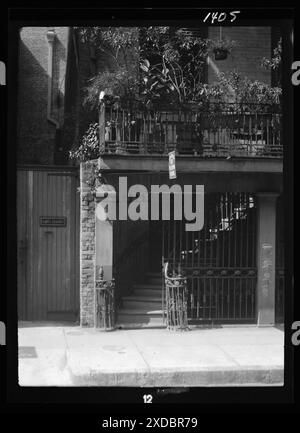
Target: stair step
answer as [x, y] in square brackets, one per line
[139, 319]
[154, 281]
[140, 325]
[156, 293]
[144, 316]
[141, 304]
[153, 274]
[142, 298]
[142, 311]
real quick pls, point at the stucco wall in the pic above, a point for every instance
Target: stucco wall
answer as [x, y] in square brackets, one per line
[252, 44]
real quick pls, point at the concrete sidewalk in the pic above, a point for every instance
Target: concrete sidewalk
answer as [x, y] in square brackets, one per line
[226, 356]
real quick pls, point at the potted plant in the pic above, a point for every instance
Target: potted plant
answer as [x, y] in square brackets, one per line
[221, 48]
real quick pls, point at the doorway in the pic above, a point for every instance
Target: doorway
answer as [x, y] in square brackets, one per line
[48, 244]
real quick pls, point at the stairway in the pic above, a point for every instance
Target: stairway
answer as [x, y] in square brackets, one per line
[143, 307]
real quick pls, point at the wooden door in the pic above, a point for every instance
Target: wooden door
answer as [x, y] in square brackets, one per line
[48, 259]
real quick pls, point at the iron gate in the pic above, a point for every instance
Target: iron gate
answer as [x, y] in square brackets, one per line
[219, 260]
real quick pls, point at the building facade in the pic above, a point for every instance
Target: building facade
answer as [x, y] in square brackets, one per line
[234, 264]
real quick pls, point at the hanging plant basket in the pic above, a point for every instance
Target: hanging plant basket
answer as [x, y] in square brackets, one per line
[220, 53]
[221, 47]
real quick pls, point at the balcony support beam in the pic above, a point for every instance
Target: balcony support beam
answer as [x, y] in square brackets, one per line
[188, 164]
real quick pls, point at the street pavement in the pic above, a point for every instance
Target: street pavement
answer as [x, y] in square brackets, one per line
[63, 355]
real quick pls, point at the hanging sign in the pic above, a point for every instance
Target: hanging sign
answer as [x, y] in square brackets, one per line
[172, 165]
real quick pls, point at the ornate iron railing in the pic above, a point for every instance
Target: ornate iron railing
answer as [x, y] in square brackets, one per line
[242, 130]
[105, 304]
[223, 294]
[176, 300]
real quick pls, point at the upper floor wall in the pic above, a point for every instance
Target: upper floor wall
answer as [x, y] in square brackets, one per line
[41, 91]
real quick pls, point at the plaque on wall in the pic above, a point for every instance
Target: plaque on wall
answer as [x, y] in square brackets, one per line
[49, 221]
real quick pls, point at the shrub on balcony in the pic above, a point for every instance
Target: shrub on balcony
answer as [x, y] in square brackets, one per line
[274, 63]
[236, 93]
[172, 67]
[165, 73]
[152, 64]
[117, 86]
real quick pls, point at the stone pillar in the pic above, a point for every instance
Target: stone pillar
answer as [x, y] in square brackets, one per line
[266, 243]
[96, 240]
[87, 247]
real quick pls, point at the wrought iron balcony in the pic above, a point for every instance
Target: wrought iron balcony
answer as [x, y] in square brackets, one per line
[242, 130]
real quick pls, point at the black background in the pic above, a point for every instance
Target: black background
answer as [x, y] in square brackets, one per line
[90, 406]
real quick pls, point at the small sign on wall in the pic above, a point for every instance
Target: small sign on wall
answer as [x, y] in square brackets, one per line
[49, 221]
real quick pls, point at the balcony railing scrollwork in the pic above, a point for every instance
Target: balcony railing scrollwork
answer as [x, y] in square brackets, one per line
[176, 300]
[242, 130]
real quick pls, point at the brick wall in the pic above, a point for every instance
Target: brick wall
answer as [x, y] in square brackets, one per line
[253, 43]
[87, 247]
[35, 134]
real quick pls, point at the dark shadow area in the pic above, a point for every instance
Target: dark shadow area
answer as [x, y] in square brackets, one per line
[38, 324]
[37, 137]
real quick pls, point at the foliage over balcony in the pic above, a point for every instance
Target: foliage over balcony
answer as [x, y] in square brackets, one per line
[154, 99]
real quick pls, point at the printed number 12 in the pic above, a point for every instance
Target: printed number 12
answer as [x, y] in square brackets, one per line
[147, 398]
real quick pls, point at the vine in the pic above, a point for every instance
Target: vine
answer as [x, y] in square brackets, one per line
[95, 179]
[89, 148]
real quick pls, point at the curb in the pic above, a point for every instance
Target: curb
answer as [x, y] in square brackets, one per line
[210, 378]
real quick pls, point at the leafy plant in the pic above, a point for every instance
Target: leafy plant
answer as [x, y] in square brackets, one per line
[241, 90]
[116, 85]
[162, 67]
[275, 62]
[172, 65]
[89, 147]
[95, 179]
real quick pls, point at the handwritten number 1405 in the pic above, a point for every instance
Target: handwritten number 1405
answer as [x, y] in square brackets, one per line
[221, 16]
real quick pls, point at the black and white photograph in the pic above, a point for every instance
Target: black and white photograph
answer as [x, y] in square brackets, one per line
[151, 203]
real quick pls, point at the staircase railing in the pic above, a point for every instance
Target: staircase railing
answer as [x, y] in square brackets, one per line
[231, 220]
